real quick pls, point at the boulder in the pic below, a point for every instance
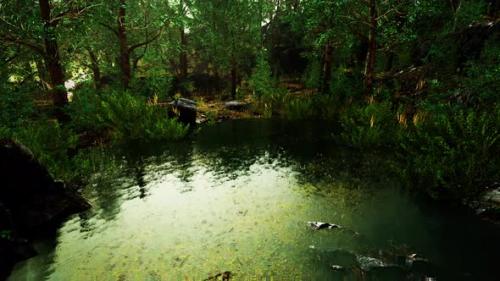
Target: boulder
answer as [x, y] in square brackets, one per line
[30, 201]
[29, 193]
[11, 252]
[236, 105]
[185, 110]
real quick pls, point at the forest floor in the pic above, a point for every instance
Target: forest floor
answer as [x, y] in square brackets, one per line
[216, 110]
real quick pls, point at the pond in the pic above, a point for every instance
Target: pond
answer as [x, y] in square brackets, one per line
[238, 197]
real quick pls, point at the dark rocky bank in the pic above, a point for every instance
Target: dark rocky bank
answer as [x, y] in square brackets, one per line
[31, 201]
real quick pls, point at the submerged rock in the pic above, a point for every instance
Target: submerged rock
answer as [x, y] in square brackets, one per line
[224, 276]
[30, 201]
[337, 267]
[317, 225]
[368, 263]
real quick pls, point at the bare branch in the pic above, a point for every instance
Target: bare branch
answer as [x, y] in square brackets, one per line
[133, 47]
[72, 13]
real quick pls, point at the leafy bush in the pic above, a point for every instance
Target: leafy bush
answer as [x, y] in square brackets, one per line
[455, 152]
[300, 108]
[15, 107]
[480, 85]
[86, 111]
[124, 115]
[346, 84]
[261, 81]
[367, 126]
[50, 143]
[320, 106]
[153, 86]
[5, 132]
[312, 76]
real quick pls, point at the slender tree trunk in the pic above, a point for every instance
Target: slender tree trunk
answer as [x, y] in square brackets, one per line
[234, 80]
[183, 60]
[372, 49]
[53, 62]
[124, 59]
[327, 68]
[96, 71]
[42, 74]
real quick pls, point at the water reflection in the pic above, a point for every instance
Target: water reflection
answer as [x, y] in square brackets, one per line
[237, 198]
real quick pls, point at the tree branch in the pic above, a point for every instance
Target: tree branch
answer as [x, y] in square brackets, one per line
[71, 13]
[33, 46]
[133, 47]
[115, 32]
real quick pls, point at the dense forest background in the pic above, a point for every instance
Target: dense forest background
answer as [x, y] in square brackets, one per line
[419, 78]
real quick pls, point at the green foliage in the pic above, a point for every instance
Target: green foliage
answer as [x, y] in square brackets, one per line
[468, 12]
[346, 84]
[153, 86]
[87, 112]
[300, 108]
[320, 107]
[480, 85]
[125, 115]
[5, 234]
[369, 126]
[312, 77]
[15, 107]
[261, 81]
[49, 142]
[5, 132]
[455, 152]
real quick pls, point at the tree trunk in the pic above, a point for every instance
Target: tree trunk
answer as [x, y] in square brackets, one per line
[124, 59]
[96, 71]
[371, 54]
[53, 62]
[42, 74]
[234, 80]
[183, 60]
[327, 68]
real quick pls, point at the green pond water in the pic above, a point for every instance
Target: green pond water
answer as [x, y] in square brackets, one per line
[238, 196]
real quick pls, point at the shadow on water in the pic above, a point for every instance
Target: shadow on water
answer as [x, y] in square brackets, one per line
[237, 196]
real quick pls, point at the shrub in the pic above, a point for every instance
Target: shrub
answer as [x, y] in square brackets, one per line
[300, 108]
[455, 152]
[368, 126]
[87, 112]
[261, 81]
[125, 115]
[15, 107]
[50, 144]
[320, 106]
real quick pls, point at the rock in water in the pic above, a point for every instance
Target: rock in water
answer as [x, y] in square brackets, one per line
[30, 200]
[368, 263]
[185, 110]
[236, 105]
[317, 225]
[30, 194]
